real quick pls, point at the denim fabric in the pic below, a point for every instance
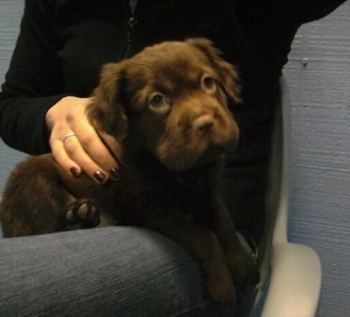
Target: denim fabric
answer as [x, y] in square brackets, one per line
[112, 271]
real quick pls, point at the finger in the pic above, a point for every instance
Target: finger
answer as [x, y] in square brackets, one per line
[99, 150]
[92, 145]
[76, 152]
[61, 157]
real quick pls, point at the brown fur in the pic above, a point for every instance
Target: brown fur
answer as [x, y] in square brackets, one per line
[173, 150]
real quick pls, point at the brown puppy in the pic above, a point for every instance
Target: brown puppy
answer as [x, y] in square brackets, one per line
[169, 108]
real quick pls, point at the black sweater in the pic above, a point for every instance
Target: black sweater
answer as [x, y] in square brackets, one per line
[63, 43]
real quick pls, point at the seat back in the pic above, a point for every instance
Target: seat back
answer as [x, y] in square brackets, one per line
[291, 273]
[277, 196]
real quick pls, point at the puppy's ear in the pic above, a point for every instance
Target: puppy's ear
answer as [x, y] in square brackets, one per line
[106, 112]
[227, 72]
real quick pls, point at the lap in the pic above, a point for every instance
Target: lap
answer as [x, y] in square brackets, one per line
[112, 271]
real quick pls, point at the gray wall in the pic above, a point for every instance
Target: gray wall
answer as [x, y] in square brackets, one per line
[320, 91]
[321, 143]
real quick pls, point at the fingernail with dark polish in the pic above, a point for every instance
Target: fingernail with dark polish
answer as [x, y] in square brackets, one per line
[100, 177]
[75, 172]
[115, 174]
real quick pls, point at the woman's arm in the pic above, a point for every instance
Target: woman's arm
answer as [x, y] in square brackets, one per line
[36, 112]
[33, 82]
[308, 10]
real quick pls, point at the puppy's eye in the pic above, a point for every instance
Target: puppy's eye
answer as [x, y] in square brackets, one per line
[159, 102]
[209, 84]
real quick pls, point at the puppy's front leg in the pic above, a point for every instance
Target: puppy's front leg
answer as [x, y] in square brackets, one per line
[242, 266]
[202, 244]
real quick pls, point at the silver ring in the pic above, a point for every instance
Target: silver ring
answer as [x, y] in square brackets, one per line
[69, 135]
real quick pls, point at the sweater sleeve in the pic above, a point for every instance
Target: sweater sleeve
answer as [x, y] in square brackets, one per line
[306, 11]
[33, 82]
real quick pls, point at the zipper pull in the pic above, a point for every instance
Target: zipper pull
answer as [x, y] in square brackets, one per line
[131, 28]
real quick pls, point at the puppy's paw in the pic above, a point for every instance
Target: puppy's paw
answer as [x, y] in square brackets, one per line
[81, 214]
[221, 288]
[245, 272]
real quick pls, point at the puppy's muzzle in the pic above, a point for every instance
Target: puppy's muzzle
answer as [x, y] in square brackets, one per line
[205, 125]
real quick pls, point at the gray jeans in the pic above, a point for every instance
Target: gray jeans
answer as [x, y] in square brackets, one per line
[112, 271]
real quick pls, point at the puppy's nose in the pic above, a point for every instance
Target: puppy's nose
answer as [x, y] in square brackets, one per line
[204, 124]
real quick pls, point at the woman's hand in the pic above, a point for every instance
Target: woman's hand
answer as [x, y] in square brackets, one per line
[76, 145]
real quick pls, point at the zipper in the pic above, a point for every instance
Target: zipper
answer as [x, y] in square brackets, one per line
[131, 28]
[132, 22]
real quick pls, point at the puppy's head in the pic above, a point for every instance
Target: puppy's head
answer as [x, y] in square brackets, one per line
[174, 99]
